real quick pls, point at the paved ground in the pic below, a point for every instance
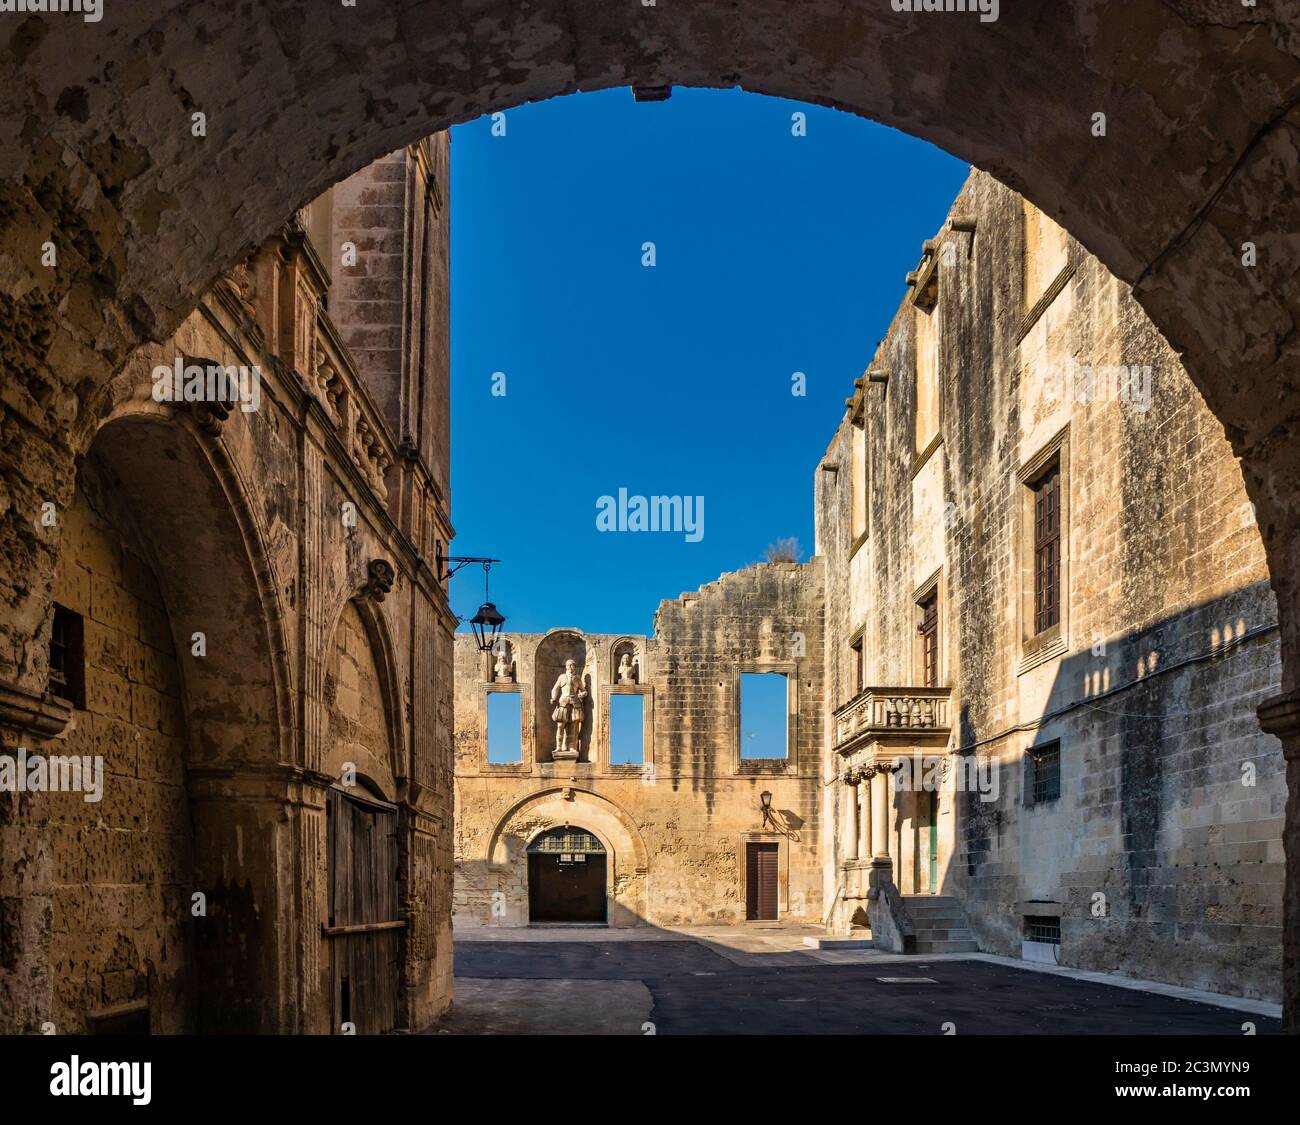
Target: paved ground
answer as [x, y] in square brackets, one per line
[743, 980]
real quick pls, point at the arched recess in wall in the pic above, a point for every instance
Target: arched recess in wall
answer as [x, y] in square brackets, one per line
[190, 511]
[557, 647]
[627, 869]
[362, 699]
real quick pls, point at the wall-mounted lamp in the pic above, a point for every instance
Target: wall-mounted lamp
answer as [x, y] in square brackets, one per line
[765, 799]
[487, 622]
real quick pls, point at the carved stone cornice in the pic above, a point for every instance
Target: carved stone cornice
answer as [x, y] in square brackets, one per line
[43, 715]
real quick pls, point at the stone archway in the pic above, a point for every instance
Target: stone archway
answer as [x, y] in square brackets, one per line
[627, 862]
[169, 492]
[106, 161]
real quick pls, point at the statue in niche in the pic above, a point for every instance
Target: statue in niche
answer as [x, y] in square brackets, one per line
[569, 695]
[627, 669]
[504, 668]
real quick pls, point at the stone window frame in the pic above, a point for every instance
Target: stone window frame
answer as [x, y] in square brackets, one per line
[1029, 800]
[859, 490]
[527, 747]
[922, 454]
[857, 662]
[1036, 649]
[931, 587]
[1074, 258]
[604, 760]
[741, 767]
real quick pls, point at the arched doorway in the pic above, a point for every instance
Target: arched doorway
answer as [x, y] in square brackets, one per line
[566, 877]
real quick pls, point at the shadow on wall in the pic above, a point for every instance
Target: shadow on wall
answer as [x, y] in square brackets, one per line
[1157, 744]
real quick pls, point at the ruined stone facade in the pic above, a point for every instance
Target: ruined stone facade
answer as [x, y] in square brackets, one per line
[993, 407]
[679, 826]
[249, 630]
[1028, 655]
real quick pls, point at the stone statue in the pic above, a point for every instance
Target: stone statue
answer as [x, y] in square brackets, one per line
[504, 674]
[569, 696]
[626, 669]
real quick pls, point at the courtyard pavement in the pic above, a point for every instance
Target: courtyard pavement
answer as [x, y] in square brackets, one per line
[756, 979]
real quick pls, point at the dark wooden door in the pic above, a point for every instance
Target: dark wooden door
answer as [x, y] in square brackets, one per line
[364, 931]
[760, 882]
[566, 888]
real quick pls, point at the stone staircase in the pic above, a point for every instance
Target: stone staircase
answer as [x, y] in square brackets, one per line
[940, 922]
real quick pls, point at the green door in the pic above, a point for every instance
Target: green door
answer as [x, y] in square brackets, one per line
[934, 843]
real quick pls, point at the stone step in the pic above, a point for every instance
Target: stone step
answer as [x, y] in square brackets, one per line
[854, 942]
[933, 920]
[952, 933]
[946, 946]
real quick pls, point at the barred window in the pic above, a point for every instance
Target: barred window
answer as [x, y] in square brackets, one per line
[67, 657]
[1045, 772]
[1042, 928]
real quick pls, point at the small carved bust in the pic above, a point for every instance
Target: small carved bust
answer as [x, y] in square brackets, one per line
[504, 667]
[627, 670]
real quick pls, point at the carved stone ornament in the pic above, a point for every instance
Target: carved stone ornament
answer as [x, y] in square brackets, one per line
[380, 579]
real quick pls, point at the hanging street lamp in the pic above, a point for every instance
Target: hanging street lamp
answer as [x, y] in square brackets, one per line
[487, 622]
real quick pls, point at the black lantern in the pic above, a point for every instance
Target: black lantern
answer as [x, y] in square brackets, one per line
[487, 622]
[765, 798]
[486, 625]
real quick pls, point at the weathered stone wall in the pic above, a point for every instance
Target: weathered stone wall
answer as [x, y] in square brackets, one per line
[102, 157]
[1172, 800]
[677, 825]
[298, 539]
[121, 925]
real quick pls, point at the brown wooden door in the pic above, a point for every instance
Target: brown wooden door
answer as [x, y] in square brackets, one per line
[760, 882]
[364, 931]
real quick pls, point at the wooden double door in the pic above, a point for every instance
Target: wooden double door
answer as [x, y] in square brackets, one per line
[364, 931]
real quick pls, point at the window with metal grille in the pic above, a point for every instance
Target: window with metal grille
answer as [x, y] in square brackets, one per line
[568, 842]
[1042, 928]
[1047, 548]
[929, 633]
[68, 657]
[1045, 772]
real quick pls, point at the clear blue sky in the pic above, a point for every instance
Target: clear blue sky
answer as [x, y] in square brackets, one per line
[775, 254]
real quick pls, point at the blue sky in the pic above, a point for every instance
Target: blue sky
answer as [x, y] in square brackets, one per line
[774, 254]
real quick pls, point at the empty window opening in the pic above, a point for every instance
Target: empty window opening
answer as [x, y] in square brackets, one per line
[626, 730]
[68, 657]
[764, 715]
[858, 672]
[505, 727]
[1047, 548]
[1045, 772]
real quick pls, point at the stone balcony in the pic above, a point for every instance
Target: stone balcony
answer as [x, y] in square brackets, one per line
[894, 719]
